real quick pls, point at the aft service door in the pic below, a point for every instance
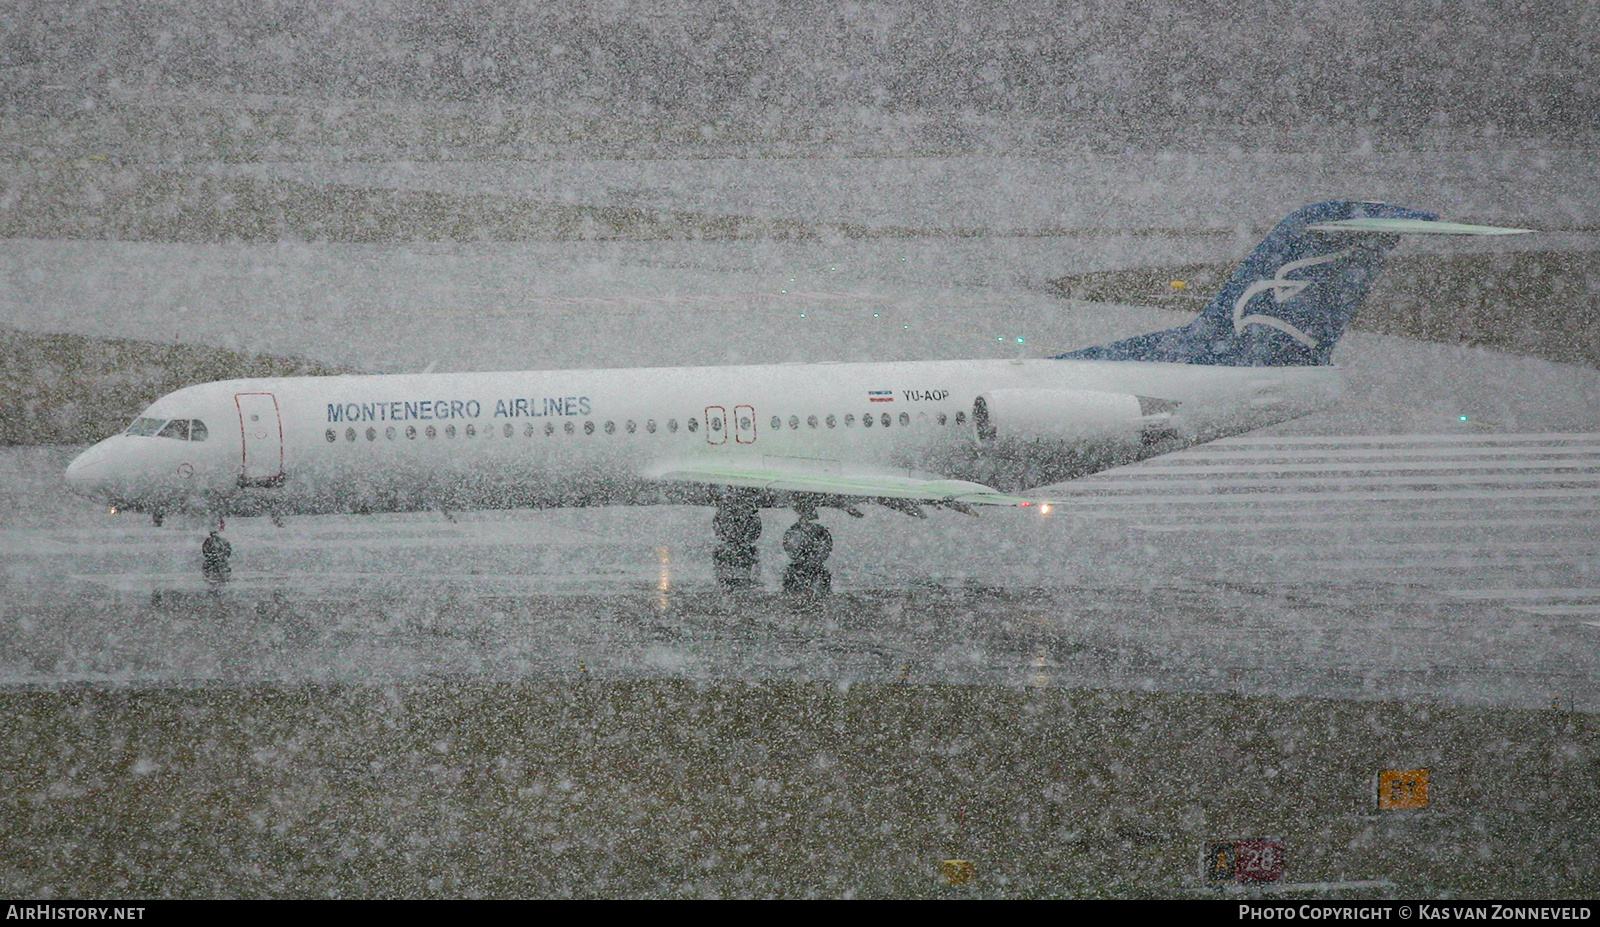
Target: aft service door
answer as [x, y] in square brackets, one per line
[263, 439]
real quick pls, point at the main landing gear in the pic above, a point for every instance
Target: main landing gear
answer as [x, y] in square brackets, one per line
[736, 561]
[808, 545]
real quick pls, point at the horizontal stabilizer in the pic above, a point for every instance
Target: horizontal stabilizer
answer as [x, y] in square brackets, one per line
[1411, 227]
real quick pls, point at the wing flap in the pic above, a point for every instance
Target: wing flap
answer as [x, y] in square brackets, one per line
[855, 483]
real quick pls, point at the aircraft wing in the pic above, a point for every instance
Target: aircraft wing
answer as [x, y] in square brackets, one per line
[827, 478]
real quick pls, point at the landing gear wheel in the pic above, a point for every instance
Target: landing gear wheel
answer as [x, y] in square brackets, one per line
[736, 567]
[808, 545]
[736, 561]
[737, 523]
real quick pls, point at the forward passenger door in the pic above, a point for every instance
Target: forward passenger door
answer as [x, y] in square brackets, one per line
[262, 444]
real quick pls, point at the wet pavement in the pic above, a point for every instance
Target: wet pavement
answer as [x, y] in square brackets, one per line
[1450, 569]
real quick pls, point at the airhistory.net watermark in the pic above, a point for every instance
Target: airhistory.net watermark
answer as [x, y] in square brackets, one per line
[55, 912]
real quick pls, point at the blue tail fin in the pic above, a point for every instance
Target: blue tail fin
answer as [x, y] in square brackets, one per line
[1289, 302]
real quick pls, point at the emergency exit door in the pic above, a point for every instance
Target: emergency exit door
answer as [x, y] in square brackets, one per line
[717, 426]
[744, 424]
[262, 445]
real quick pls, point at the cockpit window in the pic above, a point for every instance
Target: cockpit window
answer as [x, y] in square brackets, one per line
[145, 426]
[180, 429]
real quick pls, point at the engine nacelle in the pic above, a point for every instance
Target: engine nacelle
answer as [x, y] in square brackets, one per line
[1069, 416]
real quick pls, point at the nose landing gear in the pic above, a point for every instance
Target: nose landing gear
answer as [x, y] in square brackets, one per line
[215, 552]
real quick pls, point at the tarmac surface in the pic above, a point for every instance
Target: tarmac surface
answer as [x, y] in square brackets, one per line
[1426, 568]
[1230, 643]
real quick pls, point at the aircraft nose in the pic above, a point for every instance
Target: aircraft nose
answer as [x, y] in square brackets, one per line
[86, 469]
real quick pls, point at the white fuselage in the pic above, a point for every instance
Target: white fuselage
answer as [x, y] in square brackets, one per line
[526, 439]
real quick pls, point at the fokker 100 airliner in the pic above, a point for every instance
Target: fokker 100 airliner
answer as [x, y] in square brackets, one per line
[909, 436]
